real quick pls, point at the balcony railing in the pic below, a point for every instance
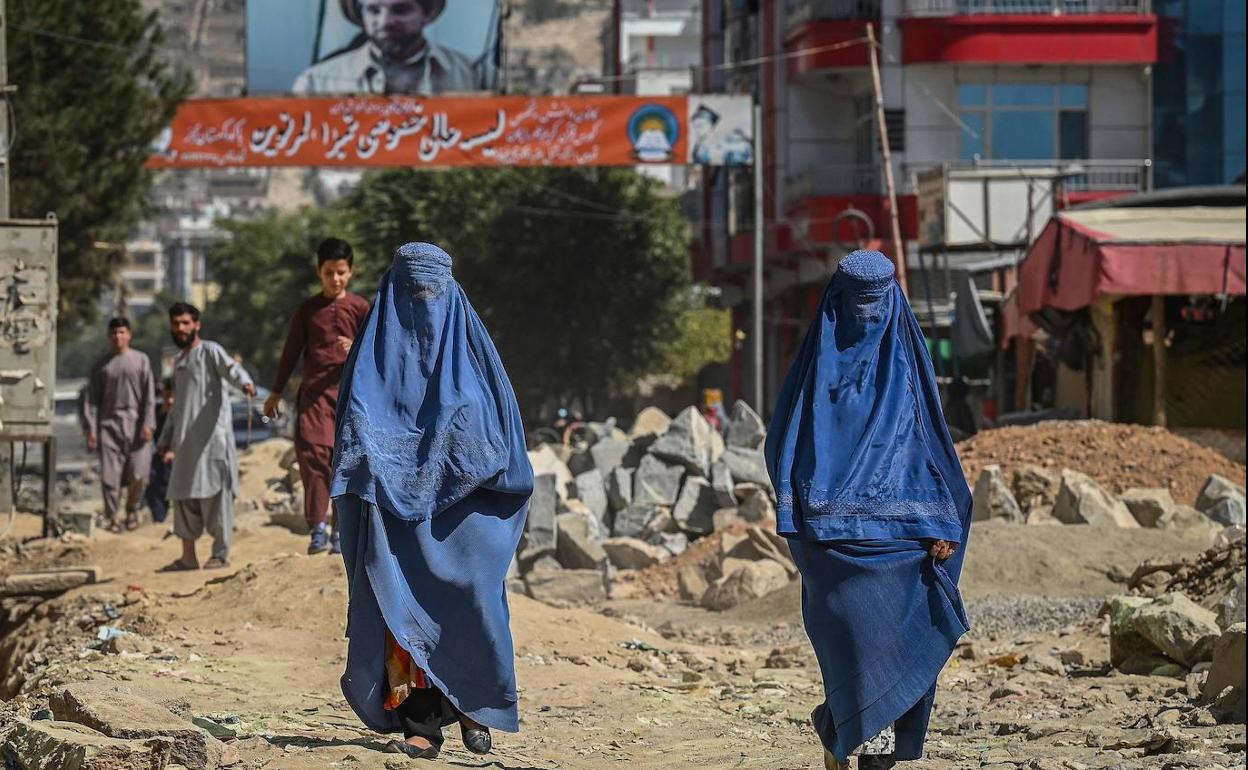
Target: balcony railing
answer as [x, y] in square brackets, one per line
[1077, 176]
[849, 179]
[1025, 7]
[802, 11]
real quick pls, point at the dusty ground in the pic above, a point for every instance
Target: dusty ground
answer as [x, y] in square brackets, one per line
[636, 683]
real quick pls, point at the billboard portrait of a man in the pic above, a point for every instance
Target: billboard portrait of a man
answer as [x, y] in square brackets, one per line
[400, 47]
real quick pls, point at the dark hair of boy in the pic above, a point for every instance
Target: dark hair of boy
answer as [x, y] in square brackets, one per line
[118, 323]
[184, 308]
[334, 249]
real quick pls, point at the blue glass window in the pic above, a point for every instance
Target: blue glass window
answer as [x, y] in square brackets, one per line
[1024, 121]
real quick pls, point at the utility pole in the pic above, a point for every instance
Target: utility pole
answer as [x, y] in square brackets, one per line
[886, 155]
[756, 336]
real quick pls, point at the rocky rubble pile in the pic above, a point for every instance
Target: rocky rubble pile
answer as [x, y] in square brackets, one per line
[629, 501]
[1038, 495]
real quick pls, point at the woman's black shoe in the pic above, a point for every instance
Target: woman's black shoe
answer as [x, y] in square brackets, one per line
[415, 752]
[477, 739]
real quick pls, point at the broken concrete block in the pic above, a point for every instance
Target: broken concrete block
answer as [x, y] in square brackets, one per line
[1222, 500]
[119, 713]
[696, 506]
[52, 745]
[577, 547]
[656, 482]
[651, 421]
[631, 553]
[690, 441]
[566, 586]
[81, 522]
[620, 488]
[544, 459]
[609, 453]
[745, 428]
[591, 489]
[992, 498]
[1080, 500]
[753, 580]
[1153, 508]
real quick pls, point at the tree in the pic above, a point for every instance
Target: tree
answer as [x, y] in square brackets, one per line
[577, 273]
[92, 94]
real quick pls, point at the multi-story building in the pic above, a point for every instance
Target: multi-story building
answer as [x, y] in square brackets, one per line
[653, 48]
[1198, 93]
[1057, 86]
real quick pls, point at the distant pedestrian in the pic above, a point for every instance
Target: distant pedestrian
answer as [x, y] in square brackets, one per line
[198, 439]
[321, 333]
[877, 513]
[432, 485]
[120, 416]
[157, 495]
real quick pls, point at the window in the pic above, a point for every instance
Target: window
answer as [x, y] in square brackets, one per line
[1023, 121]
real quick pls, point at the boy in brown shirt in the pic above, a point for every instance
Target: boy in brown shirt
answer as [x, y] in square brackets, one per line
[321, 331]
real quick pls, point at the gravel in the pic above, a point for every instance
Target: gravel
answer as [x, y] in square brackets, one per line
[1013, 615]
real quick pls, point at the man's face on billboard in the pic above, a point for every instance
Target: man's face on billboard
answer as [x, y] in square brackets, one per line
[396, 27]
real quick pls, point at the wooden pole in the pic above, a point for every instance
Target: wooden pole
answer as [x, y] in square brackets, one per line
[886, 155]
[1159, 360]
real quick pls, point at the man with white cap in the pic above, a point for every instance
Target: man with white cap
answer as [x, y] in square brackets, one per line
[393, 56]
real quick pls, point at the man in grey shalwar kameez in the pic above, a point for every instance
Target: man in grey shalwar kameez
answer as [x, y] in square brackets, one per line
[120, 416]
[198, 438]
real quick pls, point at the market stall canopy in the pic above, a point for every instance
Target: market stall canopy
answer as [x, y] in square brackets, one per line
[1084, 254]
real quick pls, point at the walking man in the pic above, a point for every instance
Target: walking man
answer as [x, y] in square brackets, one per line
[321, 332]
[198, 438]
[120, 413]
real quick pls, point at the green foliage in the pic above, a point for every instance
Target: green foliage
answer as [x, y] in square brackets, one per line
[86, 114]
[703, 337]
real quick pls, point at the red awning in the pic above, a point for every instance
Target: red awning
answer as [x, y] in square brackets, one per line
[1082, 255]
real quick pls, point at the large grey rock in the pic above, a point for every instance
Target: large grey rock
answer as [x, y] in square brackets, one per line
[747, 466]
[758, 545]
[591, 489]
[656, 482]
[1080, 500]
[580, 462]
[115, 711]
[722, 483]
[1034, 486]
[540, 530]
[620, 488]
[578, 542]
[750, 581]
[651, 421]
[545, 460]
[636, 520]
[631, 553]
[992, 498]
[609, 453]
[674, 543]
[49, 745]
[1222, 500]
[1152, 507]
[1228, 662]
[690, 441]
[1231, 606]
[696, 506]
[1172, 625]
[745, 428]
[566, 586]
[758, 508]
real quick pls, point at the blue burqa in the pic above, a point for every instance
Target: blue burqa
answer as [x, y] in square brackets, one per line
[431, 484]
[865, 472]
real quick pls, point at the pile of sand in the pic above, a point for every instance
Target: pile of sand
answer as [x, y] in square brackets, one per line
[1117, 456]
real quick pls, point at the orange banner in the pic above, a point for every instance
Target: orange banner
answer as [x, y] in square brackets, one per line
[445, 131]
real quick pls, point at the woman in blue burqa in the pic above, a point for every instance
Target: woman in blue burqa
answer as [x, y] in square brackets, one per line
[432, 484]
[873, 501]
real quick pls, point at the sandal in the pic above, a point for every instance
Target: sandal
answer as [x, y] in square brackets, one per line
[178, 566]
[215, 563]
[132, 521]
[415, 752]
[113, 527]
